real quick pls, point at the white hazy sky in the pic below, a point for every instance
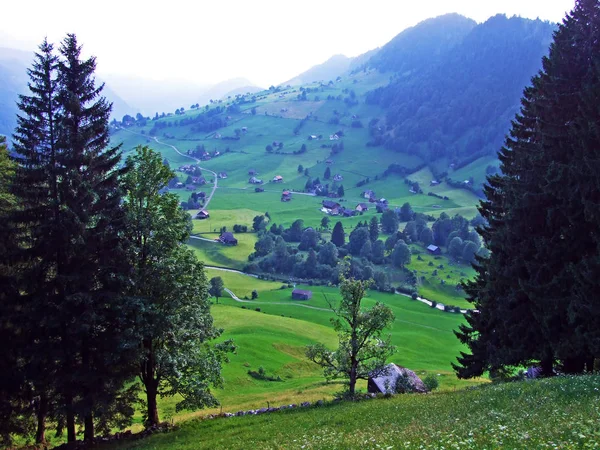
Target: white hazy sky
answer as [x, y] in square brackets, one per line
[266, 41]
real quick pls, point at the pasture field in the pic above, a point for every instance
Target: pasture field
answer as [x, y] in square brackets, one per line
[275, 336]
[565, 415]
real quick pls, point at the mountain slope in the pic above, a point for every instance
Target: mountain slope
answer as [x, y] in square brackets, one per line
[422, 45]
[329, 70]
[460, 108]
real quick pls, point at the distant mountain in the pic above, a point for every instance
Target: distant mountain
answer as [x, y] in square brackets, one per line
[13, 81]
[154, 96]
[456, 100]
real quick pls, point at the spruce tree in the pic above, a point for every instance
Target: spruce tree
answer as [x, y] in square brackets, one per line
[338, 237]
[536, 294]
[72, 265]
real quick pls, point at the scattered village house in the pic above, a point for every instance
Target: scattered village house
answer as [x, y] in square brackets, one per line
[254, 180]
[385, 379]
[227, 238]
[333, 137]
[362, 207]
[202, 215]
[338, 177]
[277, 179]
[222, 175]
[368, 194]
[300, 294]
[252, 172]
[331, 205]
[286, 196]
[434, 250]
[200, 181]
[434, 183]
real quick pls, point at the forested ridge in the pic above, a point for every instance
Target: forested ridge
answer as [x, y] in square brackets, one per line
[457, 104]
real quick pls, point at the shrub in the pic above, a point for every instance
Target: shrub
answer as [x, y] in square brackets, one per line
[431, 382]
[254, 294]
[257, 309]
[433, 304]
[414, 295]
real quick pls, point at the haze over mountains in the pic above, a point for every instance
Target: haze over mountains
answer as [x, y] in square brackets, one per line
[441, 69]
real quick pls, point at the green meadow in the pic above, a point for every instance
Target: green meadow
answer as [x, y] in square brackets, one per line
[273, 330]
[557, 412]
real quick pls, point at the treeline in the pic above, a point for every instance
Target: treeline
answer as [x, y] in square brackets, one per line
[460, 101]
[100, 295]
[207, 121]
[537, 294]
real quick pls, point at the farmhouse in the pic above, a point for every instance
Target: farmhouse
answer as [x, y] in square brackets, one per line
[434, 183]
[252, 172]
[338, 177]
[202, 215]
[254, 180]
[286, 196]
[329, 161]
[244, 129]
[300, 294]
[217, 136]
[384, 380]
[333, 137]
[190, 187]
[434, 250]
[222, 175]
[362, 207]
[312, 137]
[368, 194]
[228, 239]
[328, 204]
[200, 181]
[179, 185]
[277, 179]
[348, 212]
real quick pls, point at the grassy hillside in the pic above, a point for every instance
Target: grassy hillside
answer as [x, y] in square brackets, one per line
[551, 413]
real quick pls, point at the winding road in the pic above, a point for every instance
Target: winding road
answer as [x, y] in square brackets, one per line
[216, 178]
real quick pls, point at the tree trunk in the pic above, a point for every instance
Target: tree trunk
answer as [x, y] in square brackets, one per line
[88, 434]
[71, 437]
[352, 384]
[547, 365]
[574, 365]
[151, 392]
[150, 380]
[42, 411]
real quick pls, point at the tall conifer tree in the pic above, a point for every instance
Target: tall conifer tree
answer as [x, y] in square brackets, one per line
[534, 295]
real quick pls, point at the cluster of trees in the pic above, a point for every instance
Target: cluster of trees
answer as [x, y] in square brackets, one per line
[100, 293]
[468, 102]
[273, 254]
[537, 293]
[209, 120]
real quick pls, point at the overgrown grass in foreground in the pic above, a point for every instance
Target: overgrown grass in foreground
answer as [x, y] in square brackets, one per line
[553, 413]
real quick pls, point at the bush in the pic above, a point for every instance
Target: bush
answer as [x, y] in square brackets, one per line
[414, 295]
[431, 382]
[254, 294]
[261, 374]
[433, 304]
[257, 309]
